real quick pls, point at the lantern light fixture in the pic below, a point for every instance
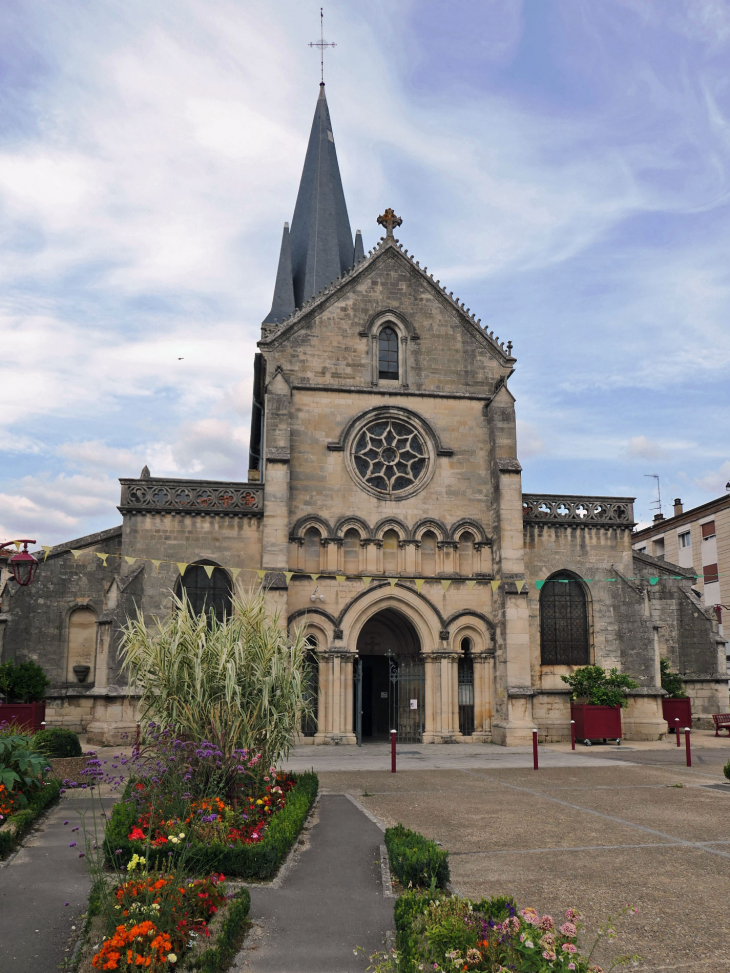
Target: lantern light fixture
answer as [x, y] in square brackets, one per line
[22, 564]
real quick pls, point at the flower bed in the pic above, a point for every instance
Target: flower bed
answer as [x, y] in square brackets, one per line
[445, 934]
[245, 836]
[18, 819]
[161, 921]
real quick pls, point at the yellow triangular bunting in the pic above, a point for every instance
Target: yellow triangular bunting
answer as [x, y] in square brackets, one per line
[181, 566]
[340, 577]
[102, 557]
[470, 584]
[288, 575]
[129, 560]
[392, 582]
[446, 584]
[314, 577]
[494, 584]
[17, 545]
[419, 583]
[157, 566]
[76, 554]
[235, 572]
[261, 574]
[366, 581]
[208, 568]
[47, 548]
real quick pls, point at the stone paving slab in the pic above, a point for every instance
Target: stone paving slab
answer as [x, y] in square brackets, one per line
[590, 837]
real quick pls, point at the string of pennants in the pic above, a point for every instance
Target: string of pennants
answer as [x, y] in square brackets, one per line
[446, 583]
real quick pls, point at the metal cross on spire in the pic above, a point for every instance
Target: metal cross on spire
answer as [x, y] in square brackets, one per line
[321, 44]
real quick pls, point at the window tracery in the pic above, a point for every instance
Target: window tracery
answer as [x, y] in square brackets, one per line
[564, 637]
[390, 455]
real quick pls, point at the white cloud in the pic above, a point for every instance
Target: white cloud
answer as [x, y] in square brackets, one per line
[640, 447]
[529, 441]
[715, 482]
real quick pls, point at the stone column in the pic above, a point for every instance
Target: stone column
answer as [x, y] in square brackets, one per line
[347, 663]
[322, 698]
[429, 730]
[483, 675]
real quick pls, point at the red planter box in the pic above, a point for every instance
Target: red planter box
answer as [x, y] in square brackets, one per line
[28, 715]
[682, 708]
[596, 722]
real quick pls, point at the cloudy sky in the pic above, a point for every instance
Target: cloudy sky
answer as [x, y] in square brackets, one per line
[563, 165]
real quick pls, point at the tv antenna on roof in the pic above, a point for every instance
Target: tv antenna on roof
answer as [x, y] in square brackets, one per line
[656, 504]
[321, 44]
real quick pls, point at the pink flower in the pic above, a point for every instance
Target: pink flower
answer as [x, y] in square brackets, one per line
[572, 915]
[571, 966]
[569, 948]
[546, 922]
[530, 916]
[548, 954]
[548, 939]
[568, 929]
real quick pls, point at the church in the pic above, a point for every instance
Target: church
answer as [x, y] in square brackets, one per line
[383, 511]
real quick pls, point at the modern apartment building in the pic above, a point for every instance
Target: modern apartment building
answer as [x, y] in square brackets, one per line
[698, 538]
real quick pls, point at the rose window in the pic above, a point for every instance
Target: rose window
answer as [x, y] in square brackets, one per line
[390, 456]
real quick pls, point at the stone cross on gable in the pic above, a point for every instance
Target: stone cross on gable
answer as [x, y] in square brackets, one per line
[389, 220]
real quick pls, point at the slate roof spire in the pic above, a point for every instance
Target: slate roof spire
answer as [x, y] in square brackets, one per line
[320, 247]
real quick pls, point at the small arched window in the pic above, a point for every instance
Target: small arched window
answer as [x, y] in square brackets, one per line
[388, 353]
[466, 554]
[311, 551]
[351, 547]
[428, 553]
[564, 622]
[390, 552]
[208, 589]
[311, 687]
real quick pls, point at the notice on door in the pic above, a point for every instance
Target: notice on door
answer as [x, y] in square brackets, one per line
[384, 695]
[414, 704]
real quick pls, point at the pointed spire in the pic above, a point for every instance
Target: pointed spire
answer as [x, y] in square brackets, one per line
[283, 304]
[359, 249]
[321, 238]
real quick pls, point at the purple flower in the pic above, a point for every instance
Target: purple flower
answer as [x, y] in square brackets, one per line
[76, 828]
[82, 855]
[72, 845]
[118, 851]
[65, 822]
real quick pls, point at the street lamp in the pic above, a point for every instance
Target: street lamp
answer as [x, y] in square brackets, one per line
[22, 564]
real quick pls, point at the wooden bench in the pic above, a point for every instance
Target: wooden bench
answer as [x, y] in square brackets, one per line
[722, 722]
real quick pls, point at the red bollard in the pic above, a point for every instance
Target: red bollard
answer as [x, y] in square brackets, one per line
[392, 751]
[534, 748]
[686, 741]
[676, 728]
[572, 734]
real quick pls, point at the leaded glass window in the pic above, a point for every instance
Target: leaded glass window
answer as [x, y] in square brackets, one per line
[388, 353]
[311, 688]
[564, 622]
[208, 589]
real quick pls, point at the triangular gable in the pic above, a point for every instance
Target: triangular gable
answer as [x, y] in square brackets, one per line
[388, 249]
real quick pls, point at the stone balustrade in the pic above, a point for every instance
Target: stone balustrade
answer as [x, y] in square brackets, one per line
[158, 495]
[557, 509]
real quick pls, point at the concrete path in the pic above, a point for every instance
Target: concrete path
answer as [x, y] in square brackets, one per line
[438, 756]
[330, 901]
[36, 925]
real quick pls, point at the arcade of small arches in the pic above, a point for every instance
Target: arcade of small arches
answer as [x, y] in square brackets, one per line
[429, 549]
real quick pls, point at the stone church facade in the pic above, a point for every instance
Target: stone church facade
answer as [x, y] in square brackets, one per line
[384, 512]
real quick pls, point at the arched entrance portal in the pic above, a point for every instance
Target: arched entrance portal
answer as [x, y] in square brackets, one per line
[389, 680]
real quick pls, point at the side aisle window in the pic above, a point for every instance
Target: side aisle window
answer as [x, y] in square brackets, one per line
[388, 354]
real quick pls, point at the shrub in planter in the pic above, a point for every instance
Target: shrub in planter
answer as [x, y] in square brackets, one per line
[672, 682]
[22, 682]
[57, 741]
[414, 860]
[593, 685]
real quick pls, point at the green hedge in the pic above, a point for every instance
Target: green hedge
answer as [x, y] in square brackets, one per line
[228, 940]
[17, 825]
[57, 741]
[414, 860]
[241, 861]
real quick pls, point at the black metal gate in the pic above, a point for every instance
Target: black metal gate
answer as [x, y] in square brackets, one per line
[406, 699]
[466, 695]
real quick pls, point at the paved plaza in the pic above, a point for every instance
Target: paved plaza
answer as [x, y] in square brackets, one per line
[595, 832]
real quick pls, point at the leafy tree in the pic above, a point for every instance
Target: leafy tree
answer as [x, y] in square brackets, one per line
[671, 681]
[240, 682]
[594, 684]
[22, 682]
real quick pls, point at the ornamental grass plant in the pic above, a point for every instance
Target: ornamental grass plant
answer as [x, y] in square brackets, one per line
[240, 682]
